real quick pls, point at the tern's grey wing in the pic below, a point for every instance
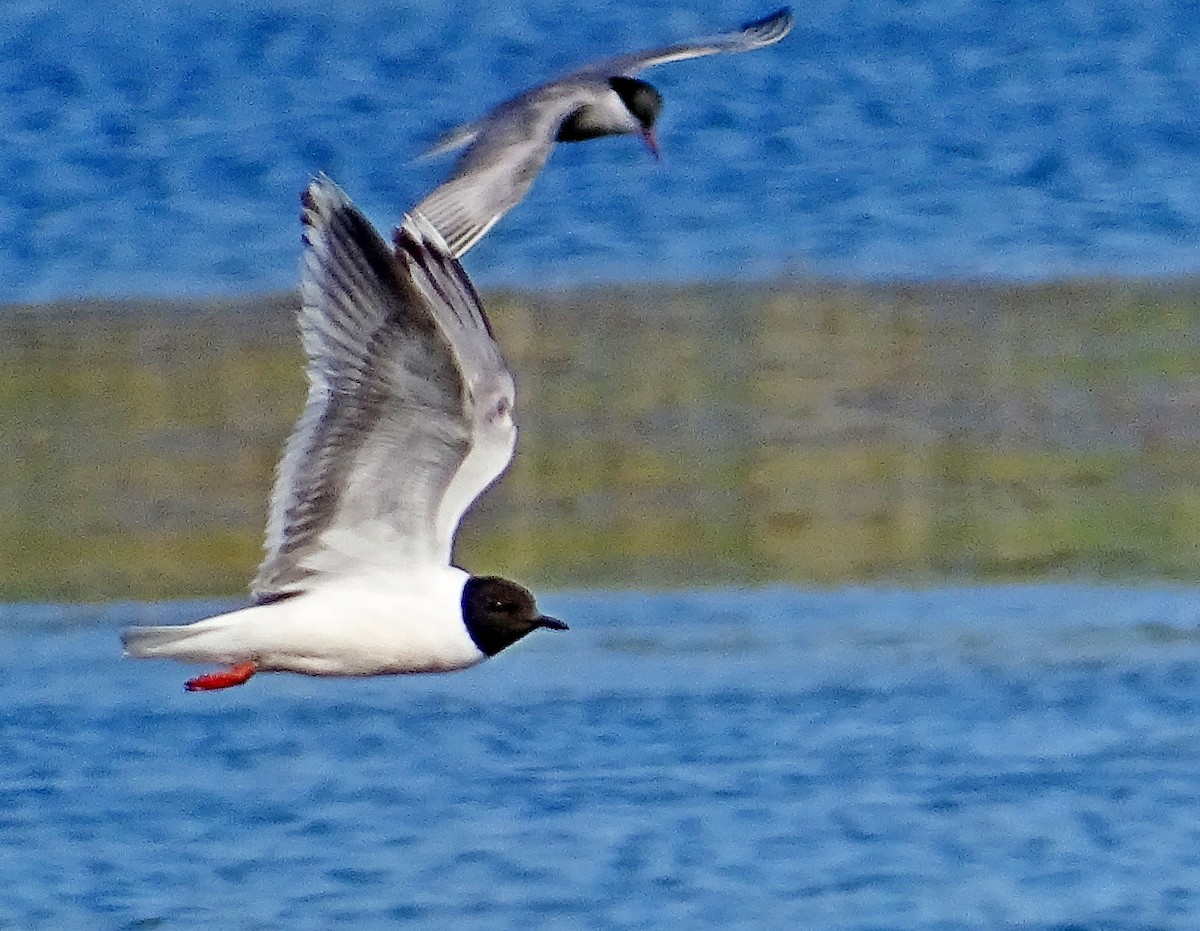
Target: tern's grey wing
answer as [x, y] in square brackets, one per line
[757, 34]
[508, 148]
[391, 418]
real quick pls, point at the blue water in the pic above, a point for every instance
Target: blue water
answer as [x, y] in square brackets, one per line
[954, 759]
[159, 147]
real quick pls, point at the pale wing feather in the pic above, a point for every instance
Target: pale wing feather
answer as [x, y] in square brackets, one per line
[455, 139]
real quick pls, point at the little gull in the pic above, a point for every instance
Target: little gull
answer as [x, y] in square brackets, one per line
[408, 420]
[508, 147]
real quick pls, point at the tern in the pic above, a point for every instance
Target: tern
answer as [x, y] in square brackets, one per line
[507, 148]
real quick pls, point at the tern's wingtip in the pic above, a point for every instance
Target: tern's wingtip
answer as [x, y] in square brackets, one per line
[770, 28]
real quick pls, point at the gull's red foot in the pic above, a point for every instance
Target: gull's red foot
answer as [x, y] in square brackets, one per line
[226, 678]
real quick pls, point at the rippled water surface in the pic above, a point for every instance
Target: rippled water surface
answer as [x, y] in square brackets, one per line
[160, 147]
[961, 758]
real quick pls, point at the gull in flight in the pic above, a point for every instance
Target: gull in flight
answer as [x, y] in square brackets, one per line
[408, 420]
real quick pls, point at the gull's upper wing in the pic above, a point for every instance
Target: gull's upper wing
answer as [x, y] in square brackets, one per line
[757, 34]
[408, 416]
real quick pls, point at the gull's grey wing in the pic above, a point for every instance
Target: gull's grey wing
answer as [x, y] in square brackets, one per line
[408, 412]
[757, 34]
[490, 394]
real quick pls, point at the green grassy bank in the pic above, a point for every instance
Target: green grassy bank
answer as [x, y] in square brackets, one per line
[804, 433]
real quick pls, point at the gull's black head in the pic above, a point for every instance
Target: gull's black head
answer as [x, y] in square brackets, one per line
[498, 613]
[640, 99]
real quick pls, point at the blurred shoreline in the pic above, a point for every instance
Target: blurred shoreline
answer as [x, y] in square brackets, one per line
[798, 432]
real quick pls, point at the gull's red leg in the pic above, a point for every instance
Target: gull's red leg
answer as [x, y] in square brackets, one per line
[226, 678]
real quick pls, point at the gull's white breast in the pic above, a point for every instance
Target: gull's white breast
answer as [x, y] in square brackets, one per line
[361, 625]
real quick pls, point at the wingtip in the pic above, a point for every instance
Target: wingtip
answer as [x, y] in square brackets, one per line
[770, 28]
[321, 198]
[420, 247]
[432, 265]
[416, 231]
